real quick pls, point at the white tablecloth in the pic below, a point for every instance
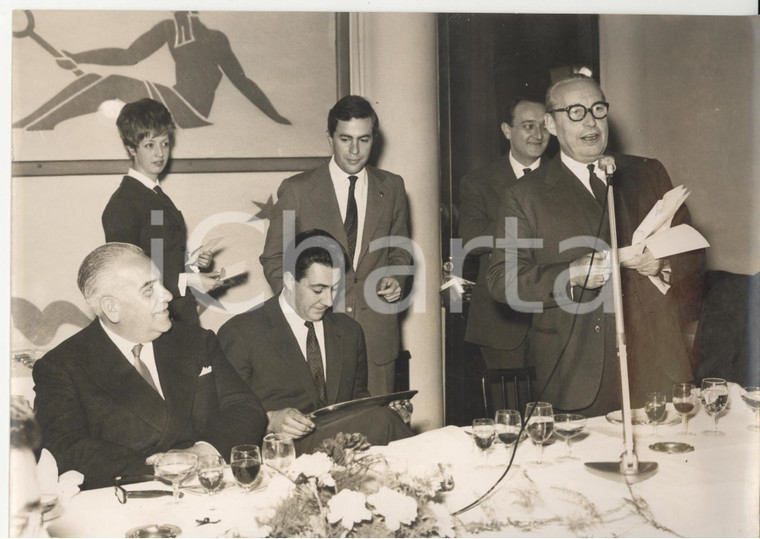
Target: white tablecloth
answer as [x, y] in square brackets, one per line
[712, 491]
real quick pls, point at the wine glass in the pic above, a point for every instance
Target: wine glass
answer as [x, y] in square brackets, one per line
[245, 462]
[715, 399]
[278, 451]
[655, 409]
[483, 434]
[540, 425]
[751, 397]
[684, 402]
[568, 426]
[210, 471]
[175, 467]
[508, 424]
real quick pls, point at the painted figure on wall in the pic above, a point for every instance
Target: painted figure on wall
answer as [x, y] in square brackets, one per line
[201, 56]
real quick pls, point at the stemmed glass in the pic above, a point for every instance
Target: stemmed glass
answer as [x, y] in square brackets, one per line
[684, 402]
[655, 409]
[715, 399]
[175, 467]
[245, 461]
[568, 426]
[483, 434]
[508, 424]
[540, 418]
[278, 451]
[210, 471]
[751, 397]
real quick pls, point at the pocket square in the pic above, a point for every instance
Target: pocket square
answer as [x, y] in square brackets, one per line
[205, 371]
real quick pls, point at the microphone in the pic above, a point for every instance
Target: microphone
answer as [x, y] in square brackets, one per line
[607, 163]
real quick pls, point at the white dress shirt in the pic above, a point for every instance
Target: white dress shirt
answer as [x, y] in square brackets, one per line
[298, 326]
[146, 354]
[518, 167]
[143, 179]
[341, 185]
[580, 170]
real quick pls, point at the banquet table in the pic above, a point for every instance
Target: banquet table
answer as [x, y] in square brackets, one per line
[711, 491]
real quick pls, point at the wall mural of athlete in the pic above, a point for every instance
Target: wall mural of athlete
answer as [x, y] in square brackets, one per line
[201, 55]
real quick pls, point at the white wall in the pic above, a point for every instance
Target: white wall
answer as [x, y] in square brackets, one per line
[686, 90]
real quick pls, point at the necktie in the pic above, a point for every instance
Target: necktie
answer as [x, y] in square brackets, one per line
[141, 367]
[352, 217]
[597, 186]
[526, 171]
[314, 359]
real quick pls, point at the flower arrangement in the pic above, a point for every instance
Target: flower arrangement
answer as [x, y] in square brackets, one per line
[341, 490]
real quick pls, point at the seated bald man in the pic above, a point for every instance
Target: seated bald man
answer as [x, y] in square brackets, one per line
[297, 355]
[132, 384]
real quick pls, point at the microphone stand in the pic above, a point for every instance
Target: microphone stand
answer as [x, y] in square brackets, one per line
[628, 469]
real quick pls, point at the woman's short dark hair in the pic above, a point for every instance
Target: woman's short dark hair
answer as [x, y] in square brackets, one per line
[144, 118]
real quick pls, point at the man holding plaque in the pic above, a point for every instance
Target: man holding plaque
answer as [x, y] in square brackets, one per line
[298, 356]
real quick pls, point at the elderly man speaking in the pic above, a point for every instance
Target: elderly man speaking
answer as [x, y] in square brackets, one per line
[131, 385]
[561, 203]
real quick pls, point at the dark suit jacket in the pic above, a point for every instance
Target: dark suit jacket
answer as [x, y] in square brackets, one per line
[489, 323]
[127, 218]
[312, 196]
[554, 206]
[264, 351]
[100, 417]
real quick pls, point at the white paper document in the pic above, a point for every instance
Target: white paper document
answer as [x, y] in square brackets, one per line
[676, 240]
[656, 234]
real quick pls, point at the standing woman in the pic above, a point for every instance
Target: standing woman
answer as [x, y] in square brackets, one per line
[140, 213]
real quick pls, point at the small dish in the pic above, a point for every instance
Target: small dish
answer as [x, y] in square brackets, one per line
[671, 447]
[639, 417]
[155, 530]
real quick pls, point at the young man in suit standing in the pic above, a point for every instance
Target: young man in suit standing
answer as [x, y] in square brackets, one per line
[132, 384]
[298, 356]
[358, 205]
[500, 332]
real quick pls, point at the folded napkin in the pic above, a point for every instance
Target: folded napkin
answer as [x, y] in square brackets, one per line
[64, 486]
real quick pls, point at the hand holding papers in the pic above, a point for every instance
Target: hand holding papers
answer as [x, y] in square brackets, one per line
[655, 233]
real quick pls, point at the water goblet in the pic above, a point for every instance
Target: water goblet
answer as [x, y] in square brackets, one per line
[210, 470]
[540, 425]
[655, 409]
[278, 451]
[684, 401]
[568, 426]
[715, 399]
[751, 397]
[245, 462]
[483, 434]
[175, 467]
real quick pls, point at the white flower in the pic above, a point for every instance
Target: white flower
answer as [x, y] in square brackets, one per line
[349, 507]
[315, 465]
[443, 520]
[395, 507]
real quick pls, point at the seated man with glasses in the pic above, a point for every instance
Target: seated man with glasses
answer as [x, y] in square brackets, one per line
[565, 201]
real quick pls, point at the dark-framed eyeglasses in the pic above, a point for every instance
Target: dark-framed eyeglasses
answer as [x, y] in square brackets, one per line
[576, 113]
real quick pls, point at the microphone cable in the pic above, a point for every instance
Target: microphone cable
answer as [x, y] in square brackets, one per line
[484, 496]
